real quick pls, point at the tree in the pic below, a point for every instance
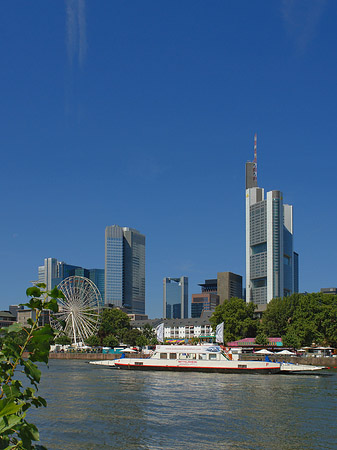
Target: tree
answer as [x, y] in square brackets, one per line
[63, 340]
[141, 341]
[148, 332]
[110, 341]
[291, 339]
[131, 336]
[93, 341]
[113, 322]
[261, 339]
[302, 319]
[16, 399]
[238, 318]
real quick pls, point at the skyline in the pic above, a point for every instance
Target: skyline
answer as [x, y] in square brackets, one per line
[144, 115]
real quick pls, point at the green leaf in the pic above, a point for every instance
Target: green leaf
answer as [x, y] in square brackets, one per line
[9, 407]
[15, 327]
[8, 422]
[32, 371]
[56, 293]
[33, 291]
[29, 433]
[52, 305]
[11, 391]
[41, 285]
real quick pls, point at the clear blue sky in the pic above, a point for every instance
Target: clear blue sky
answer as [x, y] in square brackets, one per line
[142, 114]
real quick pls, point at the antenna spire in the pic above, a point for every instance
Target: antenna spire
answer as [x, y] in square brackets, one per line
[255, 159]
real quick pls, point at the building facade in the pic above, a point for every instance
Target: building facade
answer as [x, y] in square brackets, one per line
[175, 298]
[125, 268]
[54, 271]
[181, 329]
[271, 263]
[206, 301]
[229, 285]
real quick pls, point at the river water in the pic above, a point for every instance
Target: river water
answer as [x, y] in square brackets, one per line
[91, 407]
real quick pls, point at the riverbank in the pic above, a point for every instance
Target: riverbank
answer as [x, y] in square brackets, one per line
[91, 356]
[320, 361]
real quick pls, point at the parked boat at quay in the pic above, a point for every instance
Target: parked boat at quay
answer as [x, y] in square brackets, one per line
[204, 358]
[196, 358]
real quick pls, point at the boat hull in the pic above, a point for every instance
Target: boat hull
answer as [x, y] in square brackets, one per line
[186, 368]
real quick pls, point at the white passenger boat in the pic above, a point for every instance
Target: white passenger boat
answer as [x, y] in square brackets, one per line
[104, 362]
[196, 358]
[303, 369]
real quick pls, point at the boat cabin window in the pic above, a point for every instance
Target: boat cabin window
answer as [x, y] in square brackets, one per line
[213, 356]
[202, 356]
[163, 356]
[173, 356]
[188, 356]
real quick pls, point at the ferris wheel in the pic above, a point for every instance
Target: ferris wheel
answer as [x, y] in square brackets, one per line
[78, 316]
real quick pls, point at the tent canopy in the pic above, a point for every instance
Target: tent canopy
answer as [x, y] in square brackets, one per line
[285, 352]
[264, 351]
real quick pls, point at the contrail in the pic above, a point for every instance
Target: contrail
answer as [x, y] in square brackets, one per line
[76, 31]
[302, 19]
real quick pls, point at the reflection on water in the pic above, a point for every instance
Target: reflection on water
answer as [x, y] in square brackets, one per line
[91, 407]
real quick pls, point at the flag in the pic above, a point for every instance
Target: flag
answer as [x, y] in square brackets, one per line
[160, 332]
[219, 333]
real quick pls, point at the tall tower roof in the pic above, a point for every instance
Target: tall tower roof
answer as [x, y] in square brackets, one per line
[251, 168]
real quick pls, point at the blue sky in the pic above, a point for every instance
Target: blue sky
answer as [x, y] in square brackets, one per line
[143, 114]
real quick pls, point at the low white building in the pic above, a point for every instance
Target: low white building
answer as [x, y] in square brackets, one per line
[199, 327]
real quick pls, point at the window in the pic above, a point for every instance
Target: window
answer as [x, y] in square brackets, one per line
[173, 356]
[202, 356]
[212, 356]
[163, 356]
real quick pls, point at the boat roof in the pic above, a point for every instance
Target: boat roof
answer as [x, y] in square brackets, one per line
[189, 348]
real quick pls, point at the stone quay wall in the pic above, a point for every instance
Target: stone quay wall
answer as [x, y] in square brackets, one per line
[315, 361]
[91, 356]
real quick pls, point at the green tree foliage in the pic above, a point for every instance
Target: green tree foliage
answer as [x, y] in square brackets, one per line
[303, 319]
[93, 341]
[261, 339]
[110, 341]
[15, 399]
[131, 336]
[62, 339]
[148, 333]
[238, 318]
[114, 322]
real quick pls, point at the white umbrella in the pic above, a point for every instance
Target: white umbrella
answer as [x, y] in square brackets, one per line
[128, 350]
[264, 351]
[285, 352]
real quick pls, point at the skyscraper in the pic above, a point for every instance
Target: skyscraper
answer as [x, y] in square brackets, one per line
[54, 271]
[175, 298]
[271, 263]
[125, 268]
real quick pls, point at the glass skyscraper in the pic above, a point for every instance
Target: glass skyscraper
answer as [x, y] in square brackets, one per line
[125, 268]
[54, 271]
[175, 296]
[271, 263]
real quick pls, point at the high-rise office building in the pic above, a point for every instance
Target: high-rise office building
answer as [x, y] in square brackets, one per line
[229, 285]
[54, 271]
[125, 268]
[175, 298]
[271, 263]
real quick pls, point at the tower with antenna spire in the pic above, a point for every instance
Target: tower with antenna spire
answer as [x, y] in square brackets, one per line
[251, 168]
[271, 263]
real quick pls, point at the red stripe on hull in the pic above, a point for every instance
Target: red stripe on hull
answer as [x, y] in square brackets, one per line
[268, 370]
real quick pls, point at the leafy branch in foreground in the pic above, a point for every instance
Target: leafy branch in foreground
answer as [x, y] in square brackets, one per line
[15, 398]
